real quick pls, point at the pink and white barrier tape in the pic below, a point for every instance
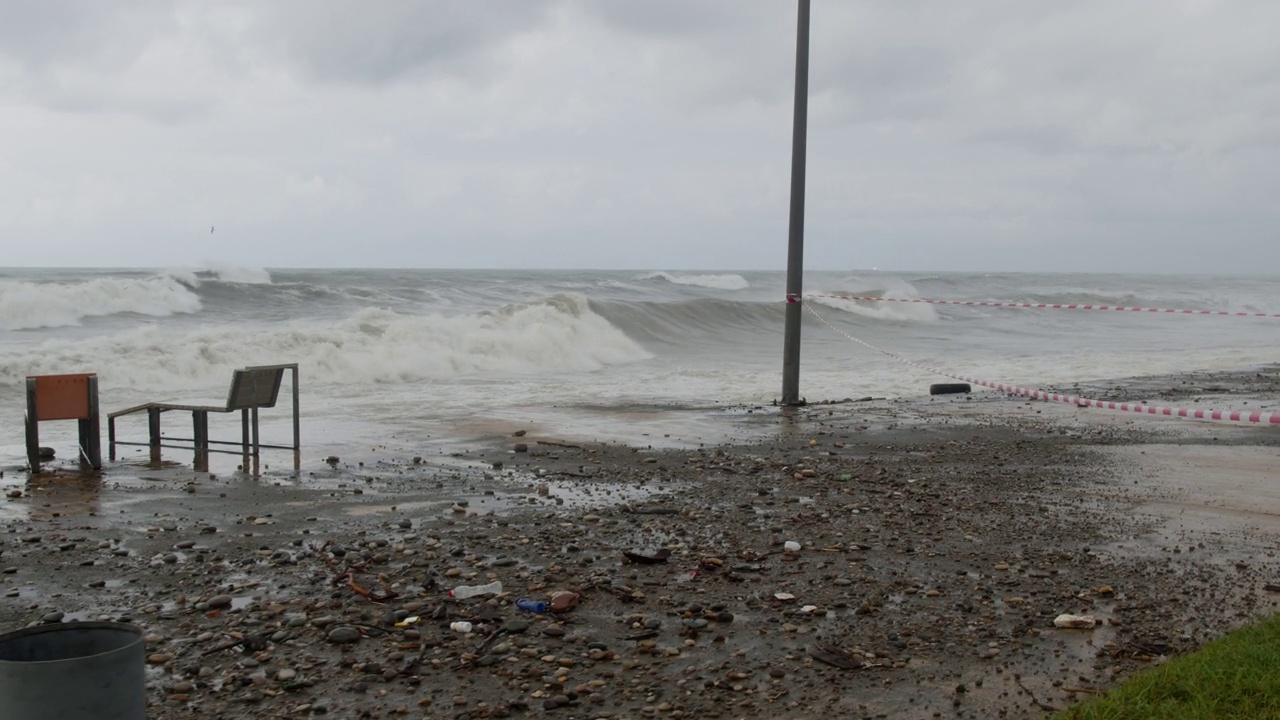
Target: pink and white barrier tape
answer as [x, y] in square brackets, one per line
[1237, 416]
[1053, 306]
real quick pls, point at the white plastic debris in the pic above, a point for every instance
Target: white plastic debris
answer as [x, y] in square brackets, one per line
[791, 546]
[1075, 621]
[461, 626]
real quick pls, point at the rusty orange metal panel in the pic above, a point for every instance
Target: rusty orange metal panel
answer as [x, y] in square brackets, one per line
[62, 397]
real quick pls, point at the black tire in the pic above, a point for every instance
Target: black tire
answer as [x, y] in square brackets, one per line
[949, 388]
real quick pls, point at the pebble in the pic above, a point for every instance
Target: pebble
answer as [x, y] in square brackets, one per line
[219, 601]
[344, 634]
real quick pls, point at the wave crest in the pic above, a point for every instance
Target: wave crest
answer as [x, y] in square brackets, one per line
[716, 282]
[880, 286]
[213, 270]
[31, 305]
[554, 335]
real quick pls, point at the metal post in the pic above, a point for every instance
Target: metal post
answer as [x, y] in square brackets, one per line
[153, 433]
[795, 233]
[91, 428]
[253, 418]
[200, 438]
[33, 428]
[297, 430]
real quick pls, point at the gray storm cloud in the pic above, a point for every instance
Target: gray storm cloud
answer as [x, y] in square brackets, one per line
[1127, 136]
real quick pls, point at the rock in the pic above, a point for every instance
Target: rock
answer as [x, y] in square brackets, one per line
[563, 602]
[521, 448]
[286, 674]
[516, 627]
[219, 601]
[52, 617]
[45, 453]
[343, 634]
[1075, 621]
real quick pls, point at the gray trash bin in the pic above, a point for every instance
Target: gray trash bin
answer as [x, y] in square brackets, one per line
[73, 671]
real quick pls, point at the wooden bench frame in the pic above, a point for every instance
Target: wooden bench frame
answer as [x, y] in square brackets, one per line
[64, 397]
[252, 388]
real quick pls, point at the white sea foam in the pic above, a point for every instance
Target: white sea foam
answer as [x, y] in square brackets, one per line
[715, 282]
[557, 335]
[29, 305]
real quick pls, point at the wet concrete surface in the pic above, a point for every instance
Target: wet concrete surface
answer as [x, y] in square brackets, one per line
[939, 540]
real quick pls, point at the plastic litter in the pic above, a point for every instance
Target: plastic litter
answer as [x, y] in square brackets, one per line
[533, 606]
[408, 621]
[1075, 621]
[461, 626]
[462, 592]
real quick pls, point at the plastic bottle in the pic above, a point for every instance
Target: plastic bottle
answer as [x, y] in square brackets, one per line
[462, 592]
[533, 606]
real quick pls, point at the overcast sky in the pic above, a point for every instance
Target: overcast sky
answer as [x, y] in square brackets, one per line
[1103, 135]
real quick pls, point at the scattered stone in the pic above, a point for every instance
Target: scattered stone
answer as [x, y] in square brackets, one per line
[344, 634]
[516, 627]
[1075, 621]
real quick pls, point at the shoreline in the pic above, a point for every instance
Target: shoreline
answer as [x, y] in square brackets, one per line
[939, 539]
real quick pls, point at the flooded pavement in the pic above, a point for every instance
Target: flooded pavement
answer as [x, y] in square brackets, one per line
[937, 540]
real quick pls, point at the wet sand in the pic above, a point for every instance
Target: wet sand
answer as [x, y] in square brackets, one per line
[939, 539]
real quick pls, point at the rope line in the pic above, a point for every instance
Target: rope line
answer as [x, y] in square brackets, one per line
[1236, 416]
[1042, 306]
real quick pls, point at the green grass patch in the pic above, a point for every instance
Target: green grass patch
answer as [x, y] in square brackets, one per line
[1235, 676]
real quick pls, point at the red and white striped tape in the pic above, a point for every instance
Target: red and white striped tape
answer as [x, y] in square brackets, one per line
[1053, 306]
[1238, 416]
